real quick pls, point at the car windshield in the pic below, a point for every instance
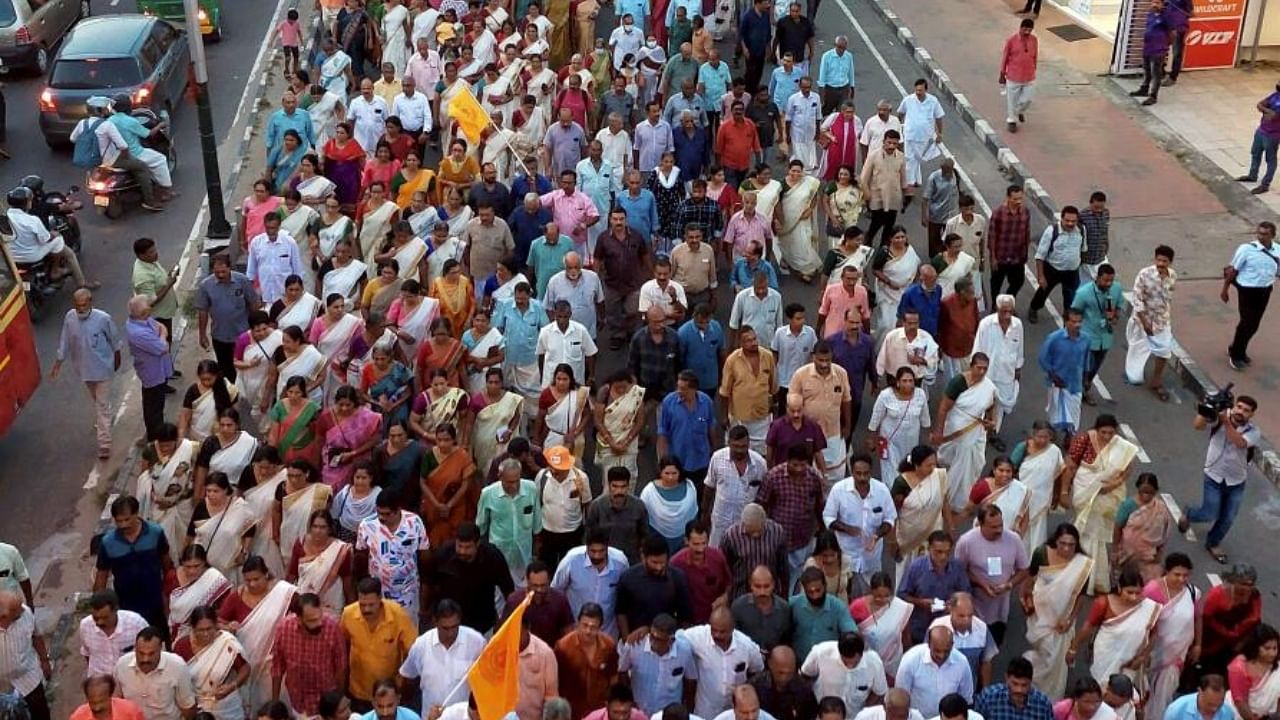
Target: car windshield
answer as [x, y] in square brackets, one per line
[8, 15]
[94, 73]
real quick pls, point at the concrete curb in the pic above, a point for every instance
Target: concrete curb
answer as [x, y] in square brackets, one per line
[1267, 459]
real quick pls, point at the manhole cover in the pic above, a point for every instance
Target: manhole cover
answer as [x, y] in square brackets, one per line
[1072, 33]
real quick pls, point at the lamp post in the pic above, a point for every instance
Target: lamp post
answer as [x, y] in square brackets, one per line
[218, 228]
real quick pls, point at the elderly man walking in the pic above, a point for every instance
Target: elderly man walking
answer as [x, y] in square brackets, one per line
[1018, 72]
[149, 346]
[91, 342]
[835, 75]
[24, 660]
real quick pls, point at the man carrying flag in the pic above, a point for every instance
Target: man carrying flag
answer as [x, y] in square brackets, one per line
[516, 671]
[471, 120]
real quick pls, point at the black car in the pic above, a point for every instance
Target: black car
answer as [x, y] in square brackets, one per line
[143, 56]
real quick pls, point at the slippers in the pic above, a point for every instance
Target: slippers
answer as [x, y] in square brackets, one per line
[1161, 393]
[1218, 555]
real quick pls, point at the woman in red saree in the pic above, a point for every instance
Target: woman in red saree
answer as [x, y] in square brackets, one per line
[350, 431]
[449, 490]
[839, 132]
[293, 424]
[343, 164]
[442, 352]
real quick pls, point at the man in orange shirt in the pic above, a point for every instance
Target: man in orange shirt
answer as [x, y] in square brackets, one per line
[100, 703]
[588, 661]
[736, 144]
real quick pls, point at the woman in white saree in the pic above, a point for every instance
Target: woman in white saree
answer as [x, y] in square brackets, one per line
[298, 308]
[296, 358]
[563, 412]
[451, 248]
[301, 495]
[269, 476]
[217, 663]
[1039, 464]
[395, 36]
[1098, 463]
[345, 276]
[1253, 677]
[408, 250]
[299, 220]
[485, 349]
[198, 585]
[375, 225]
[966, 415]
[1051, 604]
[952, 264]
[895, 266]
[1123, 622]
[884, 620]
[331, 228]
[209, 395]
[497, 422]
[796, 248]
[410, 318]
[321, 564]
[228, 451]
[899, 414]
[253, 371]
[1171, 642]
[331, 334]
[310, 184]
[618, 412]
[166, 484]
[224, 525]
[440, 404]
[920, 494]
[1004, 491]
[252, 612]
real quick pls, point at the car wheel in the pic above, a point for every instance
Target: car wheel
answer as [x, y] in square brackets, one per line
[215, 35]
[41, 65]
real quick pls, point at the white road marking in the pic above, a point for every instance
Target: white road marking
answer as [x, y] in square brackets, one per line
[1214, 580]
[1172, 503]
[92, 481]
[115, 3]
[984, 206]
[106, 510]
[1133, 438]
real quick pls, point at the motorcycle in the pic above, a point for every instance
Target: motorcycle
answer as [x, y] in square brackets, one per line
[114, 189]
[38, 283]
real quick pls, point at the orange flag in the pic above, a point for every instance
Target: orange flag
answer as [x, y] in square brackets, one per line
[470, 116]
[494, 677]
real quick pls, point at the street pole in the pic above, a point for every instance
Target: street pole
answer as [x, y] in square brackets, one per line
[219, 228]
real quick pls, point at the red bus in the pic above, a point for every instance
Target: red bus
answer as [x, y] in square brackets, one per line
[19, 365]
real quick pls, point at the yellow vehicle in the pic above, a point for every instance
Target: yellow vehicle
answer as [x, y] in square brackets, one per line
[210, 14]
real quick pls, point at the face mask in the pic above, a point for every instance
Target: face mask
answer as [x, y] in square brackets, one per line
[651, 44]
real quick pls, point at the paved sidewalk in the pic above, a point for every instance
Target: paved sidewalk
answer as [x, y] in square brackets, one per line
[1167, 170]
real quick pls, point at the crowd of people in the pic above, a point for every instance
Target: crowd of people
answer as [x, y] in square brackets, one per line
[404, 426]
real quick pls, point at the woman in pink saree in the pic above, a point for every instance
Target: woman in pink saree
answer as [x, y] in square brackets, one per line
[1143, 528]
[1172, 646]
[350, 431]
[839, 135]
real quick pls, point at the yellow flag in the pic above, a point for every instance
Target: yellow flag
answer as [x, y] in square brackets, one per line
[470, 116]
[494, 677]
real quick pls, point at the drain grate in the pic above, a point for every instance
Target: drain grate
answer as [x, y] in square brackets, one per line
[1072, 33]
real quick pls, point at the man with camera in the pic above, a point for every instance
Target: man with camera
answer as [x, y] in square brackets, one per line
[1232, 437]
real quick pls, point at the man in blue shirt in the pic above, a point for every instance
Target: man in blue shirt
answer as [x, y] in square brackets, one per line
[686, 427]
[755, 31]
[527, 223]
[835, 75]
[1156, 38]
[1062, 358]
[289, 117]
[134, 555]
[1253, 271]
[661, 666]
[1099, 303]
[520, 319]
[702, 346]
[816, 615]
[1209, 703]
[691, 141]
[855, 351]
[785, 81]
[745, 267]
[930, 581]
[640, 206]
[924, 298]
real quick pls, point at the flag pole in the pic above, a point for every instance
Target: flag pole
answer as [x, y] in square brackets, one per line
[444, 702]
[488, 118]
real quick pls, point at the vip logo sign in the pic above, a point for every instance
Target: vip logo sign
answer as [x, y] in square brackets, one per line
[1215, 37]
[1212, 42]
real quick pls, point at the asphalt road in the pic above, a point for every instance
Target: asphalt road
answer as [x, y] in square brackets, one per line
[49, 452]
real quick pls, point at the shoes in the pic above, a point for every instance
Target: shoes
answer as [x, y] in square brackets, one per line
[1247, 178]
[1170, 81]
[175, 374]
[996, 443]
[1184, 522]
[1013, 127]
[1236, 364]
[1150, 101]
[1033, 316]
[1260, 190]
[152, 208]
[1022, 117]
[1140, 92]
[169, 389]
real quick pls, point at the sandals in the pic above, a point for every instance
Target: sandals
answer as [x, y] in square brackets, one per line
[1218, 555]
[1161, 393]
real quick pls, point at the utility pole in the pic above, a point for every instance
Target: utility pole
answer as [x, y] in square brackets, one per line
[218, 228]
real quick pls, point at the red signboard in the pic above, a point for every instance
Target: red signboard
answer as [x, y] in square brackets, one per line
[1214, 36]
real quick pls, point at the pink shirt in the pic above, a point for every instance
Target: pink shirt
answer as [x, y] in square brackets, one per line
[539, 678]
[290, 34]
[603, 714]
[1019, 61]
[425, 72]
[121, 709]
[741, 230]
[571, 213]
[836, 301]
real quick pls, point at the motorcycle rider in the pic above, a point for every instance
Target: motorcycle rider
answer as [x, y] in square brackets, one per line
[115, 150]
[45, 210]
[134, 132]
[32, 242]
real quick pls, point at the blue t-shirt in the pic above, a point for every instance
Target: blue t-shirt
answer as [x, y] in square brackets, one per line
[136, 572]
[686, 430]
[700, 352]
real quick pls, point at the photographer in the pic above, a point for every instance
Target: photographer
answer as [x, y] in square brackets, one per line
[1232, 436]
[1101, 302]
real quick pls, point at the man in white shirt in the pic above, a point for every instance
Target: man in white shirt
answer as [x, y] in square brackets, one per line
[725, 658]
[440, 658]
[873, 130]
[733, 477]
[746, 706]
[107, 632]
[24, 660]
[158, 681]
[897, 706]
[846, 669]
[625, 40]
[368, 115]
[617, 146]
[273, 257]
[972, 229]
[566, 341]
[1000, 338]
[921, 115]
[413, 109]
[908, 346]
[32, 242]
[861, 513]
[564, 491]
[664, 293]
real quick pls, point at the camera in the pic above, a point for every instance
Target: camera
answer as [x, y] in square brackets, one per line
[1212, 404]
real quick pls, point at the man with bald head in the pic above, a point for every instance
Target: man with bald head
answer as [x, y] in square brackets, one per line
[91, 343]
[725, 658]
[783, 693]
[932, 670]
[972, 637]
[897, 706]
[546, 257]
[925, 298]
[652, 355]
[762, 613]
[368, 113]
[582, 289]
[847, 669]
[746, 706]
[752, 542]
[24, 660]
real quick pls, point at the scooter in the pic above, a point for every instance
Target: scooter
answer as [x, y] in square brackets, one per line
[114, 189]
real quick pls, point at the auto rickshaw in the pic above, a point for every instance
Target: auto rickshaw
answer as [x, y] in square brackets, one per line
[209, 14]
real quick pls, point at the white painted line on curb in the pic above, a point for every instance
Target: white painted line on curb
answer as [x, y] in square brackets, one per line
[1133, 438]
[92, 481]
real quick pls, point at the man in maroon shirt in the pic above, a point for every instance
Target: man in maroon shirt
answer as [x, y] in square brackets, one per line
[957, 328]
[707, 570]
[622, 261]
[792, 429]
[1009, 236]
[548, 615]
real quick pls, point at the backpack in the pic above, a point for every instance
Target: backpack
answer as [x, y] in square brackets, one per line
[88, 154]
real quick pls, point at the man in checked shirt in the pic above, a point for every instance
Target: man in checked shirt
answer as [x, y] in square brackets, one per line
[1008, 237]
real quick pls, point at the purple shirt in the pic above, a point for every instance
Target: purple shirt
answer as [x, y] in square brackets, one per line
[783, 436]
[1271, 127]
[857, 358]
[565, 146]
[995, 562]
[1155, 38]
[151, 360]
[922, 580]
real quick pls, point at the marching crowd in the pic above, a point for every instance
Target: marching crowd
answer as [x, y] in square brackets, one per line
[408, 426]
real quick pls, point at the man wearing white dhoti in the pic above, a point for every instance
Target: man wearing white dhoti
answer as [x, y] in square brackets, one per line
[999, 337]
[803, 111]
[921, 116]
